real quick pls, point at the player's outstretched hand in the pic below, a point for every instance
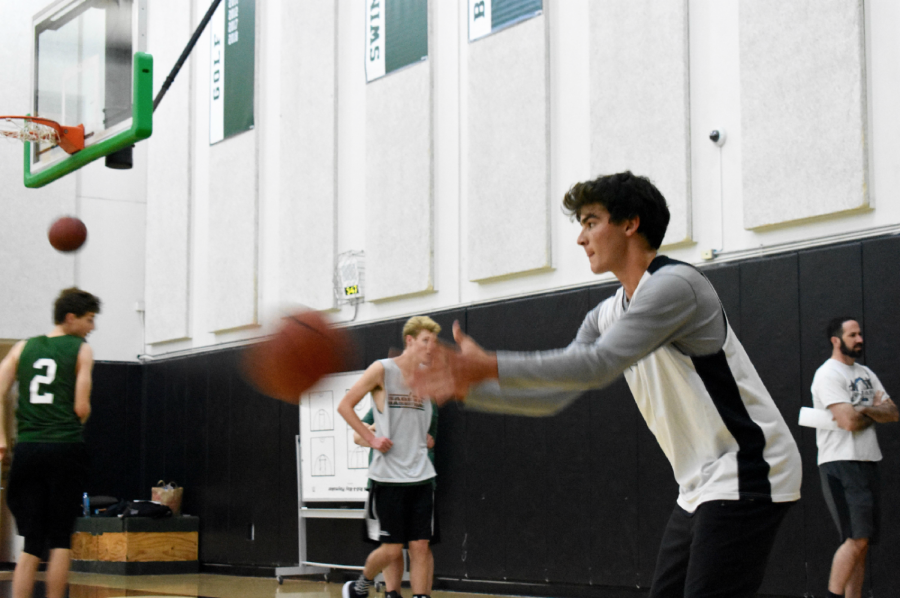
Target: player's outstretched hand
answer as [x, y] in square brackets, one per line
[454, 369]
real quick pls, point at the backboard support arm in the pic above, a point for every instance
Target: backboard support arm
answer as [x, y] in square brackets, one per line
[187, 52]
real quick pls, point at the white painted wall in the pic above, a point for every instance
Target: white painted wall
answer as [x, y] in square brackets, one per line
[168, 180]
[114, 203]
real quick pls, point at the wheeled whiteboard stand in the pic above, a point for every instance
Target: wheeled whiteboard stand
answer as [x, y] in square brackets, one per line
[308, 567]
[312, 568]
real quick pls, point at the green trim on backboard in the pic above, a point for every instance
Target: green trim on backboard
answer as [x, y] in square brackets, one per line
[141, 128]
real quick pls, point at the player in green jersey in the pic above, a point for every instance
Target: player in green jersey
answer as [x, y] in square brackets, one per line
[50, 464]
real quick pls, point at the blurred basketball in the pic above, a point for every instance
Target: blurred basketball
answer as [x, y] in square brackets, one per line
[305, 348]
[67, 234]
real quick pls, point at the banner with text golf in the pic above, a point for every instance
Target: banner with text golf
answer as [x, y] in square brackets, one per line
[232, 69]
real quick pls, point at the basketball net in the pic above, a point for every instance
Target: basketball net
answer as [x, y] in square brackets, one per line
[43, 130]
[28, 130]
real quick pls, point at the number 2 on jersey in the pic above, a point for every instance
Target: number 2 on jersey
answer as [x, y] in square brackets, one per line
[47, 378]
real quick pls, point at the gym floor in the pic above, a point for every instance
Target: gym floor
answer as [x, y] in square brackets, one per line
[90, 585]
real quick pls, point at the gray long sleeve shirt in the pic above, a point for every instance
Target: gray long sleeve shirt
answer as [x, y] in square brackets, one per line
[690, 377]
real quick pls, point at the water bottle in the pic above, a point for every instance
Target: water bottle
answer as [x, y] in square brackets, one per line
[86, 505]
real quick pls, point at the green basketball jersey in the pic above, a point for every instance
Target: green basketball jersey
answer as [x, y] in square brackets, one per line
[46, 374]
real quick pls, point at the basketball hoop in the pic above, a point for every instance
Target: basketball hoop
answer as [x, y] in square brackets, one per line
[43, 130]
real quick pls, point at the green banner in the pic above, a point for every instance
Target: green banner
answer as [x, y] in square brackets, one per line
[490, 16]
[232, 69]
[396, 35]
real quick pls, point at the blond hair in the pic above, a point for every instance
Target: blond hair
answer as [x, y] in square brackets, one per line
[417, 324]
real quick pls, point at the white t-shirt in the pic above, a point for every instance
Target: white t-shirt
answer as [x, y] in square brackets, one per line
[855, 384]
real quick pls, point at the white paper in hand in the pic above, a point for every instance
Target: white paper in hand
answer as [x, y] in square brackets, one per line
[817, 418]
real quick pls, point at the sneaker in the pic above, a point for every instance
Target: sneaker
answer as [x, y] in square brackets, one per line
[349, 591]
[392, 594]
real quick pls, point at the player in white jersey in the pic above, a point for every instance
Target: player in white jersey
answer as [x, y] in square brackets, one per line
[400, 509]
[735, 461]
[849, 456]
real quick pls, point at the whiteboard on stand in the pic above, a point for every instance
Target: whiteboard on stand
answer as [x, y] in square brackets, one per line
[333, 467]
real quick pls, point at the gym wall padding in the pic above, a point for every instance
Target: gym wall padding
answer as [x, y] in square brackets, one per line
[810, 80]
[452, 464]
[831, 285]
[508, 152]
[640, 98]
[573, 504]
[113, 432]
[309, 170]
[769, 312]
[233, 451]
[399, 183]
[167, 291]
[881, 283]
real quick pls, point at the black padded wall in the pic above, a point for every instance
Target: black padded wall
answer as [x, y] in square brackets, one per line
[573, 504]
[830, 283]
[450, 462]
[771, 336]
[514, 462]
[881, 285]
[112, 433]
[233, 451]
[632, 491]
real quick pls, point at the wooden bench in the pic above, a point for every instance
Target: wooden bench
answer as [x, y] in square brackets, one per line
[136, 545]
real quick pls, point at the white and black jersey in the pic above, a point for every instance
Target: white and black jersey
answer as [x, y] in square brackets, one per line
[691, 379]
[405, 420]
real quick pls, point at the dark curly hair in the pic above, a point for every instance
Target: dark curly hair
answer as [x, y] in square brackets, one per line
[74, 301]
[624, 195]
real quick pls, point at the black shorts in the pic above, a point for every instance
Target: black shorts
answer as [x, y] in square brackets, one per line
[721, 549]
[46, 483]
[852, 490]
[400, 514]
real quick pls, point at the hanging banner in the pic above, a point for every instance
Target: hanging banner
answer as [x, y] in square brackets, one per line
[396, 35]
[232, 66]
[489, 16]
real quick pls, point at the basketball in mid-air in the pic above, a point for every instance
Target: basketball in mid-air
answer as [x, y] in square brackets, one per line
[67, 234]
[305, 348]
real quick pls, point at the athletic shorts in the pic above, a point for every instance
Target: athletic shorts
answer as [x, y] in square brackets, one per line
[400, 514]
[852, 490]
[721, 549]
[46, 484]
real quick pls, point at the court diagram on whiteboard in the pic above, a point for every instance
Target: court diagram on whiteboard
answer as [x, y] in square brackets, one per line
[358, 456]
[322, 452]
[322, 411]
[332, 466]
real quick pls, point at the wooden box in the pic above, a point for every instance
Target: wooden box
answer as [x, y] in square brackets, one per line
[136, 545]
